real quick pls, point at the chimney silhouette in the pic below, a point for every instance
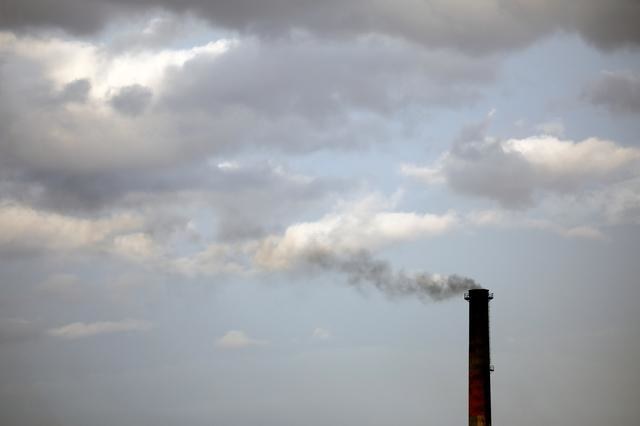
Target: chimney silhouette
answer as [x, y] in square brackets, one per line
[479, 359]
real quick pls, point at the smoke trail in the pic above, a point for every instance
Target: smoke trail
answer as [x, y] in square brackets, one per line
[362, 268]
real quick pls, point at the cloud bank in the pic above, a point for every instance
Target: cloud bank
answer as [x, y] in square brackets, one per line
[463, 24]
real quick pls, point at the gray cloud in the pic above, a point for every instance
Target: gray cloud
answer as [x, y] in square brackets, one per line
[162, 30]
[254, 200]
[618, 91]
[75, 16]
[310, 79]
[467, 25]
[246, 201]
[131, 100]
[489, 172]
[76, 91]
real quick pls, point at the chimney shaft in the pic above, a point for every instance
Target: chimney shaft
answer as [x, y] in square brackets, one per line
[479, 360]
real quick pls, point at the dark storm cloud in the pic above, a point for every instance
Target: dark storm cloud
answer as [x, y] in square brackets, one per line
[618, 91]
[131, 100]
[465, 24]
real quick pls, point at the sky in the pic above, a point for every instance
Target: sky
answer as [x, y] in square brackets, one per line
[266, 212]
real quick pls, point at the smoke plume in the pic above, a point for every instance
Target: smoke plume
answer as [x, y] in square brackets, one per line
[362, 269]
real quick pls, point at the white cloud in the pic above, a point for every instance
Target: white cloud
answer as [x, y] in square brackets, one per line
[136, 246]
[216, 258]
[66, 99]
[348, 231]
[367, 224]
[320, 333]
[487, 217]
[513, 220]
[81, 330]
[238, 339]
[67, 60]
[228, 166]
[586, 232]
[567, 160]
[513, 171]
[25, 229]
[580, 232]
[427, 175]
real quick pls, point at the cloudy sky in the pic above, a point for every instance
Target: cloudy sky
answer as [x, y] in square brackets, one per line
[265, 212]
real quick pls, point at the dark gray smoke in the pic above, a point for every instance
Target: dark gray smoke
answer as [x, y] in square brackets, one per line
[361, 269]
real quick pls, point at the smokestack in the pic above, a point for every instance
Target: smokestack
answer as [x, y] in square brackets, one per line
[479, 360]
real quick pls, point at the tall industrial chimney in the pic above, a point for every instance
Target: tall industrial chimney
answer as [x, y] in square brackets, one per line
[479, 360]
